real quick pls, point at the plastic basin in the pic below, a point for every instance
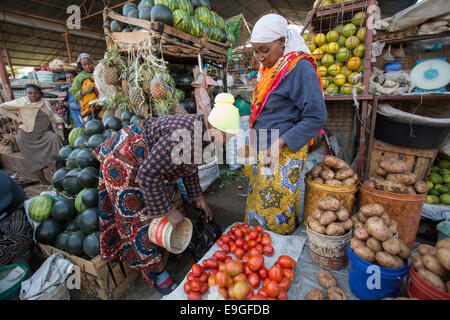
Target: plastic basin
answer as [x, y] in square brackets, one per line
[13, 292]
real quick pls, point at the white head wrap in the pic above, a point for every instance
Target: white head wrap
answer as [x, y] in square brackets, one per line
[272, 27]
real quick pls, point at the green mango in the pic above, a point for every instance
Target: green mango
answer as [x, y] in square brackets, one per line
[445, 199]
[435, 169]
[437, 186]
[444, 172]
[443, 190]
[435, 178]
[443, 164]
[434, 192]
[446, 178]
[430, 185]
[432, 200]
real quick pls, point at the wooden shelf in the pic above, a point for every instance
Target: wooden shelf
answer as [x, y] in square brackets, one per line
[414, 38]
[347, 97]
[425, 96]
[339, 8]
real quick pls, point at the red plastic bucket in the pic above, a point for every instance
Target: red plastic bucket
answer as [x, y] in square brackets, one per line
[420, 289]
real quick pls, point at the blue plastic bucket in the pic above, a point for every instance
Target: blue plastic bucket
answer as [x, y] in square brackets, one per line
[369, 281]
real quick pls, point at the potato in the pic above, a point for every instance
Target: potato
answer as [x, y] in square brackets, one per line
[335, 229]
[347, 224]
[349, 182]
[394, 187]
[411, 190]
[355, 176]
[405, 252]
[379, 182]
[327, 174]
[391, 246]
[362, 218]
[343, 174]
[316, 214]
[393, 226]
[406, 178]
[314, 225]
[335, 293]
[371, 210]
[335, 162]
[386, 219]
[315, 171]
[342, 214]
[365, 253]
[381, 172]
[417, 262]
[421, 187]
[374, 245]
[432, 278]
[326, 279]
[319, 180]
[357, 225]
[377, 229]
[355, 243]
[328, 204]
[387, 260]
[327, 217]
[370, 183]
[443, 256]
[315, 294]
[393, 165]
[424, 249]
[361, 234]
[308, 175]
[432, 264]
[333, 182]
[444, 243]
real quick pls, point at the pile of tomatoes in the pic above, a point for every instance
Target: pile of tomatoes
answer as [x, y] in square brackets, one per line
[238, 279]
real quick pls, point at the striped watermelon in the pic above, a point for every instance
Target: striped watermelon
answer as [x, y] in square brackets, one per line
[218, 20]
[230, 36]
[187, 6]
[41, 208]
[172, 4]
[203, 15]
[79, 205]
[217, 34]
[195, 27]
[181, 14]
[208, 29]
[75, 134]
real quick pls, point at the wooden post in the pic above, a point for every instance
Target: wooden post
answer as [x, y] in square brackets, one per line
[5, 80]
[69, 54]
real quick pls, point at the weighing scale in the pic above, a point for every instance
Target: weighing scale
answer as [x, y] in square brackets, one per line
[430, 75]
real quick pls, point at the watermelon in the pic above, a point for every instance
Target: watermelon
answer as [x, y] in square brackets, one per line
[186, 6]
[58, 177]
[85, 158]
[47, 231]
[70, 182]
[41, 208]
[75, 134]
[90, 198]
[171, 4]
[63, 210]
[203, 15]
[81, 142]
[71, 162]
[162, 13]
[146, 3]
[133, 13]
[230, 36]
[74, 243]
[93, 127]
[217, 34]
[224, 37]
[146, 13]
[96, 140]
[60, 242]
[205, 3]
[108, 133]
[115, 26]
[65, 152]
[127, 7]
[126, 30]
[88, 177]
[195, 3]
[89, 221]
[136, 119]
[180, 94]
[126, 116]
[76, 222]
[91, 245]
[113, 123]
[178, 15]
[79, 205]
[196, 27]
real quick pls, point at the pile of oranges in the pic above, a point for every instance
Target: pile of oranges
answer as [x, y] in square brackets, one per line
[245, 277]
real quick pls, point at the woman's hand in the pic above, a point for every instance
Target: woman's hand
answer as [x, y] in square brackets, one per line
[202, 204]
[273, 153]
[88, 90]
[175, 217]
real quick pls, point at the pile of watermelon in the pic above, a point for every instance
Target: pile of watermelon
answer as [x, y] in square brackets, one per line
[191, 16]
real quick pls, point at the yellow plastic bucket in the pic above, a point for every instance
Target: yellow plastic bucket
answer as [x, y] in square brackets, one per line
[314, 191]
[174, 240]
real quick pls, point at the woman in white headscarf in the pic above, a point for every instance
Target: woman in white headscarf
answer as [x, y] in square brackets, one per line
[288, 98]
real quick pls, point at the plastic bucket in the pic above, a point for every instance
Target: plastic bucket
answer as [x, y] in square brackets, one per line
[13, 292]
[420, 289]
[328, 251]
[372, 282]
[174, 240]
[443, 229]
[404, 209]
[314, 191]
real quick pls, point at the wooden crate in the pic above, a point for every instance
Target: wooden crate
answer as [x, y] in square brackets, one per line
[106, 280]
[418, 161]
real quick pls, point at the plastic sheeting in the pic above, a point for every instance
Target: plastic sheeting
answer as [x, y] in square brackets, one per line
[237, 142]
[388, 111]
[436, 213]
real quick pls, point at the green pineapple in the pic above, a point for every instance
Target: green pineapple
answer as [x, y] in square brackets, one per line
[113, 64]
[162, 107]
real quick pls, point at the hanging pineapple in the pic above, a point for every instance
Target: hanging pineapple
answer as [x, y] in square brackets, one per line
[162, 107]
[146, 76]
[159, 89]
[113, 64]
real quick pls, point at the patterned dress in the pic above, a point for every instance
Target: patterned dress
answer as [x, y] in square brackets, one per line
[135, 167]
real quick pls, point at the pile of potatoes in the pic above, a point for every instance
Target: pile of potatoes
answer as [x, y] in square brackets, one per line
[330, 218]
[334, 172]
[329, 283]
[374, 238]
[392, 176]
[433, 264]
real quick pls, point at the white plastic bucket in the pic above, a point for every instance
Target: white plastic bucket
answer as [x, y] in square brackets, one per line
[174, 240]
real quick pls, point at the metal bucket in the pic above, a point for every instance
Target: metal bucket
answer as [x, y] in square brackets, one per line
[174, 240]
[328, 252]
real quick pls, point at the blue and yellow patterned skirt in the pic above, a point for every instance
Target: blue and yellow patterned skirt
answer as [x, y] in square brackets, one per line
[273, 197]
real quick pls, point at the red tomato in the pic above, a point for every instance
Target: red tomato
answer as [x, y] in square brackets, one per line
[289, 274]
[247, 238]
[239, 243]
[239, 253]
[246, 225]
[197, 270]
[282, 295]
[196, 285]
[284, 284]
[232, 238]
[264, 234]
[203, 277]
[258, 297]
[223, 292]
[252, 243]
[213, 264]
[254, 234]
[240, 277]
[229, 282]
[265, 282]
[221, 279]
[212, 272]
[232, 229]
[225, 238]
[262, 292]
[285, 262]
[251, 292]
[220, 242]
[211, 281]
[227, 258]
[204, 288]
[263, 273]
[259, 228]
[275, 273]
[259, 239]
[253, 252]
[222, 267]
[272, 289]
[220, 255]
[245, 259]
[268, 250]
[265, 241]
[260, 248]
[226, 247]
[256, 262]
[238, 233]
[194, 296]
[233, 248]
[187, 287]
[247, 270]
[254, 280]
[205, 263]
[190, 276]
[246, 247]
[245, 230]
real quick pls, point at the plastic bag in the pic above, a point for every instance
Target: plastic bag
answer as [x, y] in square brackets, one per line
[387, 56]
[204, 235]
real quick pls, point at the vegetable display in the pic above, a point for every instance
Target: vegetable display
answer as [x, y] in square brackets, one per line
[329, 283]
[333, 171]
[330, 218]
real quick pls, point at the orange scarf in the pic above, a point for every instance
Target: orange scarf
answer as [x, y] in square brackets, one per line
[271, 78]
